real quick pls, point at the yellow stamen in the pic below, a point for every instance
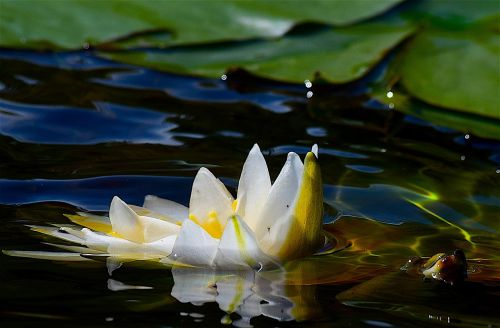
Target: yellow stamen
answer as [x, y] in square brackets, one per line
[234, 205]
[211, 224]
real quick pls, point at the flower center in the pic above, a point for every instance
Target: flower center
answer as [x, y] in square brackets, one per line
[211, 225]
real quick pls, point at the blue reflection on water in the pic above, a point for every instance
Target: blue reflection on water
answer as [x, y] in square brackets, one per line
[104, 123]
[95, 194]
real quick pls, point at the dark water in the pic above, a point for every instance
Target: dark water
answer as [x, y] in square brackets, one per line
[76, 130]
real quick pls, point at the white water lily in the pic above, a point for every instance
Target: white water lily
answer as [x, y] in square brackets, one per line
[267, 223]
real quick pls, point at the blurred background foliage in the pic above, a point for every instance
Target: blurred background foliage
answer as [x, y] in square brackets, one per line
[444, 53]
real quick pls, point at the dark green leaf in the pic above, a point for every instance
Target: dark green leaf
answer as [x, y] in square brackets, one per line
[339, 55]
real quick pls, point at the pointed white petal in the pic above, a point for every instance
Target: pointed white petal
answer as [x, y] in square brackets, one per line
[238, 247]
[166, 207]
[194, 285]
[209, 198]
[314, 150]
[58, 233]
[253, 188]
[155, 229]
[125, 221]
[56, 256]
[194, 245]
[142, 211]
[279, 204]
[296, 232]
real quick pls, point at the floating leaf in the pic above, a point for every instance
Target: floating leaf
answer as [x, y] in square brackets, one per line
[339, 55]
[455, 70]
[73, 23]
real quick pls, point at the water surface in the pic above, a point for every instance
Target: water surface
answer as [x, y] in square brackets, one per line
[76, 130]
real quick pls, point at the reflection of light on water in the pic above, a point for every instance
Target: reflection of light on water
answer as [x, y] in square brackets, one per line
[309, 94]
[308, 84]
[246, 293]
[390, 94]
[223, 77]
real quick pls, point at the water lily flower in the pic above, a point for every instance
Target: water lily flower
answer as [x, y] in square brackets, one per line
[266, 223]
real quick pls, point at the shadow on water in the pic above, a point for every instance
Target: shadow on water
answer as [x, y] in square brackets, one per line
[76, 130]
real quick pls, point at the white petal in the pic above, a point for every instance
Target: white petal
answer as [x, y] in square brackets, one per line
[314, 150]
[75, 249]
[162, 246]
[142, 211]
[238, 247]
[194, 285]
[279, 205]
[194, 245]
[253, 188]
[41, 255]
[125, 221]
[58, 233]
[297, 231]
[155, 229]
[113, 263]
[166, 207]
[208, 197]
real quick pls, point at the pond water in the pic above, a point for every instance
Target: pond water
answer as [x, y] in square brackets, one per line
[76, 130]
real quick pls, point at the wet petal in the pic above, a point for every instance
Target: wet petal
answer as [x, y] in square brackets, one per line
[91, 221]
[166, 207]
[279, 204]
[253, 188]
[125, 221]
[238, 247]
[155, 229]
[75, 249]
[211, 203]
[59, 233]
[194, 245]
[163, 246]
[297, 232]
[56, 256]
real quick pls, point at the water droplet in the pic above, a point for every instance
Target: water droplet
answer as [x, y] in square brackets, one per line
[309, 94]
[109, 319]
[390, 94]
[223, 77]
[462, 158]
[467, 136]
[308, 84]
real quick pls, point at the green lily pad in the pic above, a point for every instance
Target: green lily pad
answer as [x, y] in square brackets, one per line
[74, 23]
[454, 70]
[340, 55]
[478, 125]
